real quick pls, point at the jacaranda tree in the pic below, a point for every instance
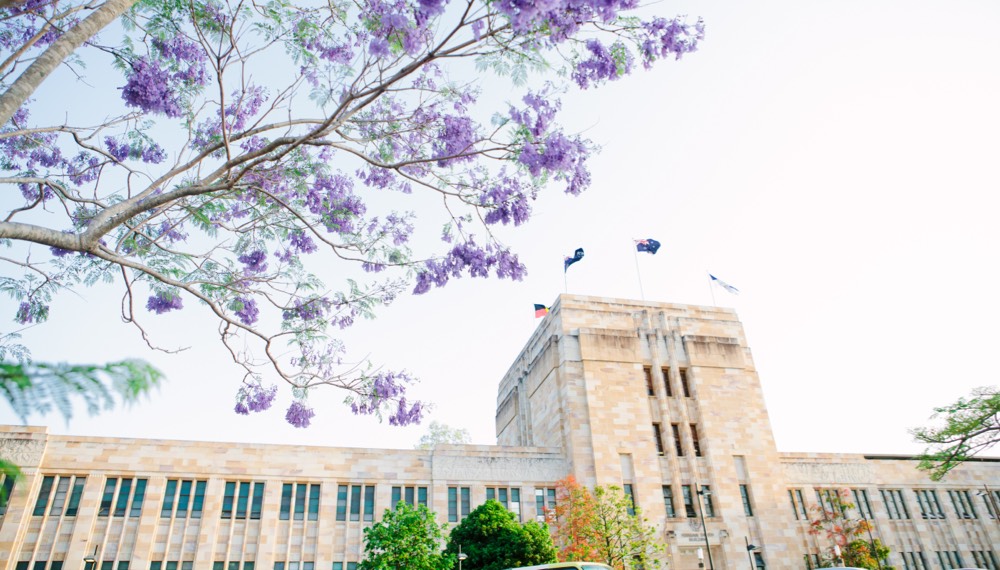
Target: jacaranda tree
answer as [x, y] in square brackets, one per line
[265, 160]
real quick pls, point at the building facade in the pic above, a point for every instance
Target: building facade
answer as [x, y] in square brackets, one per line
[660, 399]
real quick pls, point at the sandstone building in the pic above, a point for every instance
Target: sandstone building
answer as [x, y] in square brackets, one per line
[661, 399]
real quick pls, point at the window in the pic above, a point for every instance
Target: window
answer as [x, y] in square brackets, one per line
[65, 500]
[985, 559]
[812, 561]
[627, 490]
[110, 565]
[6, 488]
[174, 565]
[666, 382]
[668, 501]
[688, 502]
[412, 495]
[706, 494]
[232, 566]
[118, 493]
[658, 438]
[914, 561]
[545, 500]
[829, 499]
[355, 502]
[239, 493]
[798, 504]
[459, 503]
[303, 497]
[43, 496]
[649, 381]
[747, 505]
[294, 565]
[949, 559]
[962, 502]
[861, 503]
[684, 383]
[694, 440]
[178, 500]
[510, 498]
[369, 514]
[676, 428]
[343, 566]
[928, 502]
[758, 561]
[341, 502]
[992, 501]
[894, 504]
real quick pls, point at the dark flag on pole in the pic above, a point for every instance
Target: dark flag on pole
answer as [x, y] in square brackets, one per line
[649, 245]
[577, 256]
[540, 310]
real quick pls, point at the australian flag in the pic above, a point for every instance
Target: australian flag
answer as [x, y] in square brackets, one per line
[577, 256]
[648, 245]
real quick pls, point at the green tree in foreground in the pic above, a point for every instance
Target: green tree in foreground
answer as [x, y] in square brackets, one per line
[406, 537]
[852, 544]
[970, 426]
[493, 539]
[603, 526]
[36, 387]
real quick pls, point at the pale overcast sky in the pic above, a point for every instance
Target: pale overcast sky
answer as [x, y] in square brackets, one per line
[836, 161]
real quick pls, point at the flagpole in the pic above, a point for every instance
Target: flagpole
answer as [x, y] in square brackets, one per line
[635, 253]
[711, 289]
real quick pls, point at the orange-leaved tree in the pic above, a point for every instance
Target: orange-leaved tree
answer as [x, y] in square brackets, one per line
[601, 526]
[853, 544]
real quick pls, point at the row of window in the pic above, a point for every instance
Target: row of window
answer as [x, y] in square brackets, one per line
[927, 502]
[687, 496]
[685, 387]
[946, 559]
[675, 430]
[186, 565]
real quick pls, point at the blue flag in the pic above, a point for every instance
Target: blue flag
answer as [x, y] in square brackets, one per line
[577, 256]
[724, 285]
[648, 245]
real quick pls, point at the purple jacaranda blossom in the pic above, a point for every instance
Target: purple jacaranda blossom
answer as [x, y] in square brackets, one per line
[118, 150]
[164, 301]
[559, 19]
[252, 397]
[254, 262]
[407, 414]
[469, 257]
[560, 155]
[299, 414]
[539, 114]
[670, 37]
[602, 64]
[148, 88]
[246, 310]
[455, 139]
[477, 29]
[386, 392]
[378, 47]
[31, 312]
[307, 309]
[331, 198]
[507, 200]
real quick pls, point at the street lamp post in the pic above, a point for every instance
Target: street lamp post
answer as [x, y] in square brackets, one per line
[992, 501]
[461, 556]
[871, 538]
[704, 493]
[750, 548]
[90, 561]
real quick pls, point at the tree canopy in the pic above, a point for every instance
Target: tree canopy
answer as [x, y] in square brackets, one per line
[966, 428]
[602, 526]
[271, 161]
[493, 539]
[438, 433]
[851, 542]
[406, 537]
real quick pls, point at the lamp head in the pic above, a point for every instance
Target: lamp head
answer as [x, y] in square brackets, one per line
[751, 547]
[462, 556]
